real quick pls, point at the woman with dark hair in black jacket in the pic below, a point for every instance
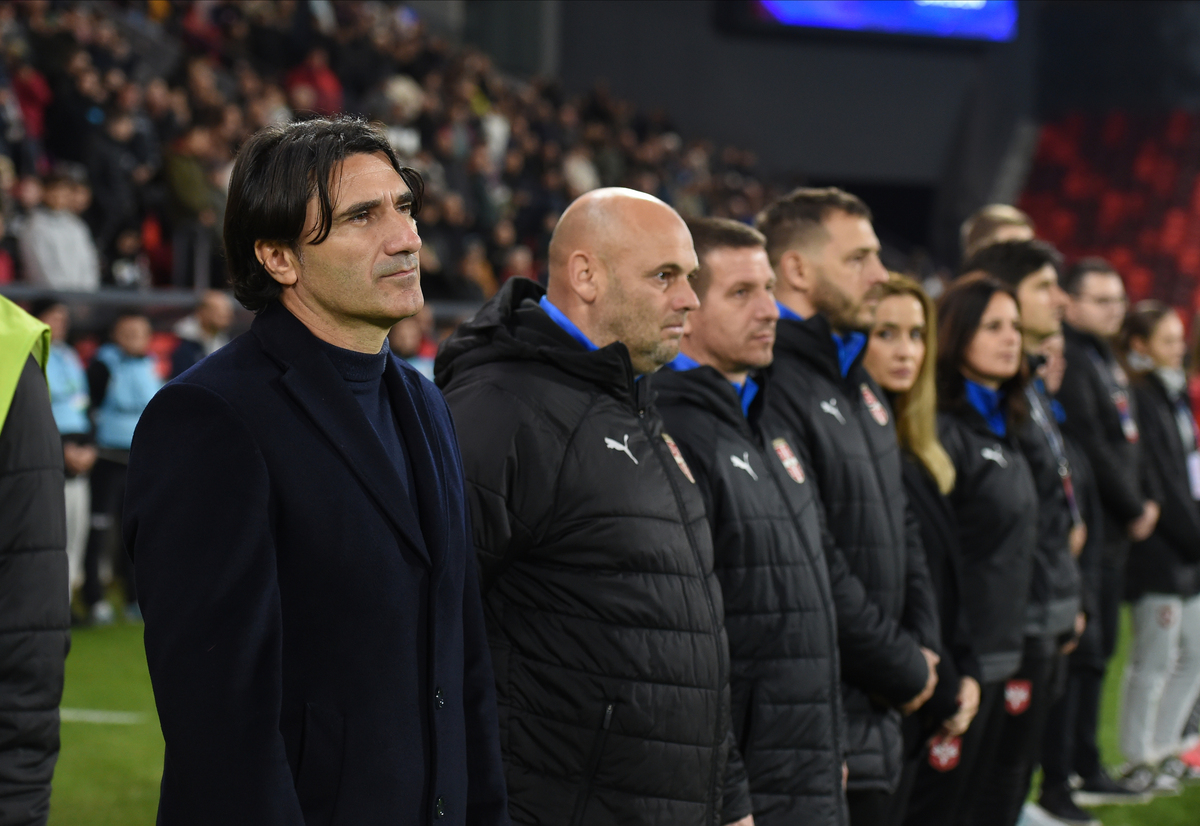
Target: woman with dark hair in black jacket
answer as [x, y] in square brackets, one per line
[1162, 579]
[981, 403]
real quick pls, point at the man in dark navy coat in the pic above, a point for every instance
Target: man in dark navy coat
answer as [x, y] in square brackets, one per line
[296, 517]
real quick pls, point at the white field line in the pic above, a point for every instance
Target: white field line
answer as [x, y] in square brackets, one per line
[88, 715]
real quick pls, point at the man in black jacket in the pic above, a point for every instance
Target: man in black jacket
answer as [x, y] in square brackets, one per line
[297, 517]
[34, 625]
[603, 610]
[1100, 417]
[1053, 616]
[826, 257]
[786, 605]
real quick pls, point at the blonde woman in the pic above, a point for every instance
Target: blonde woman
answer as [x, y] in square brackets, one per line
[901, 357]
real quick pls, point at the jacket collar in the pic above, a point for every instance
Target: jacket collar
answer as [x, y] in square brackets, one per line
[706, 389]
[811, 341]
[310, 378]
[1077, 336]
[512, 326]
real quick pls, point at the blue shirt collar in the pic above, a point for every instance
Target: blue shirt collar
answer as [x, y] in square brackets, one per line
[561, 320]
[848, 346]
[745, 391]
[788, 313]
[989, 403]
[1060, 415]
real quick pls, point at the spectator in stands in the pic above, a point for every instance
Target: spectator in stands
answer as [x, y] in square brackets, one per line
[33, 96]
[194, 204]
[544, 384]
[410, 340]
[826, 257]
[112, 170]
[992, 224]
[901, 357]
[122, 379]
[8, 253]
[57, 250]
[71, 402]
[1162, 678]
[1053, 617]
[129, 267]
[349, 632]
[324, 88]
[981, 410]
[203, 332]
[35, 619]
[788, 597]
[1101, 418]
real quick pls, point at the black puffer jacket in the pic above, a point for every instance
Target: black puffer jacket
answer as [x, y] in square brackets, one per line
[939, 535]
[1169, 561]
[604, 614]
[1055, 585]
[1101, 418]
[34, 625]
[785, 606]
[846, 435]
[995, 504]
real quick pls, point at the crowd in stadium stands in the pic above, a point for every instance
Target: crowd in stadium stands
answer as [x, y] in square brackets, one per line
[121, 123]
[903, 642]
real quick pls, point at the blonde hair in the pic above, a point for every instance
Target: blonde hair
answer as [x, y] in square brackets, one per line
[916, 409]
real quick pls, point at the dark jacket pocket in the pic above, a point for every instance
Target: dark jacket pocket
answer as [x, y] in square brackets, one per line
[319, 774]
[593, 763]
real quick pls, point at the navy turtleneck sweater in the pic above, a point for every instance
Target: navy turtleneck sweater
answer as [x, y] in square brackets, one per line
[363, 374]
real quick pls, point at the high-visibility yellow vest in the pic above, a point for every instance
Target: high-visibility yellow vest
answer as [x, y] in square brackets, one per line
[20, 335]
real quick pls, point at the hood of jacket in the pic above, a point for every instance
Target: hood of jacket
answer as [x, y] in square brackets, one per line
[811, 340]
[512, 327]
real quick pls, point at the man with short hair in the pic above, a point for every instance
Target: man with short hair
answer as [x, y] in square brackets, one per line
[57, 250]
[203, 332]
[993, 224]
[297, 516]
[1100, 417]
[787, 604]
[825, 255]
[604, 613]
[1053, 618]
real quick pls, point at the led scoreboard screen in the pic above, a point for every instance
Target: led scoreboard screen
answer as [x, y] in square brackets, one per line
[986, 20]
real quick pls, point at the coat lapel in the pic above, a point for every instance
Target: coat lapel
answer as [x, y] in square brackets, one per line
[312, 381]
[425, 454]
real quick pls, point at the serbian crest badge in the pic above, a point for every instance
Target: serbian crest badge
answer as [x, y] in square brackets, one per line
[790, 463]
[1017, 695]
[878, 411]
[678, 456]
[944, 753]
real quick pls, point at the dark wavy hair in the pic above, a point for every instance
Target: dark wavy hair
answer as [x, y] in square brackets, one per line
[960, 311]
[278, 170]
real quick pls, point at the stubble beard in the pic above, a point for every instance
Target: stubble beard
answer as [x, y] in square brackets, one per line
[839, 310]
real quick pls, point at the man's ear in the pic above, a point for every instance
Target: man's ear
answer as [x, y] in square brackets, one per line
[795, 271]
[279, 261]
[583, 276]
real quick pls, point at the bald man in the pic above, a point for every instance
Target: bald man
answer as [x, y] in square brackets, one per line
[603, 613]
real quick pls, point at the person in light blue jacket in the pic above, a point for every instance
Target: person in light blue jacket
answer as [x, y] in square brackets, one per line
[123, 378]
[70, 402]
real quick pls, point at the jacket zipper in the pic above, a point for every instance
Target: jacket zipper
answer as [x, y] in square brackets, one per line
[722, 653]
[593, 765]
